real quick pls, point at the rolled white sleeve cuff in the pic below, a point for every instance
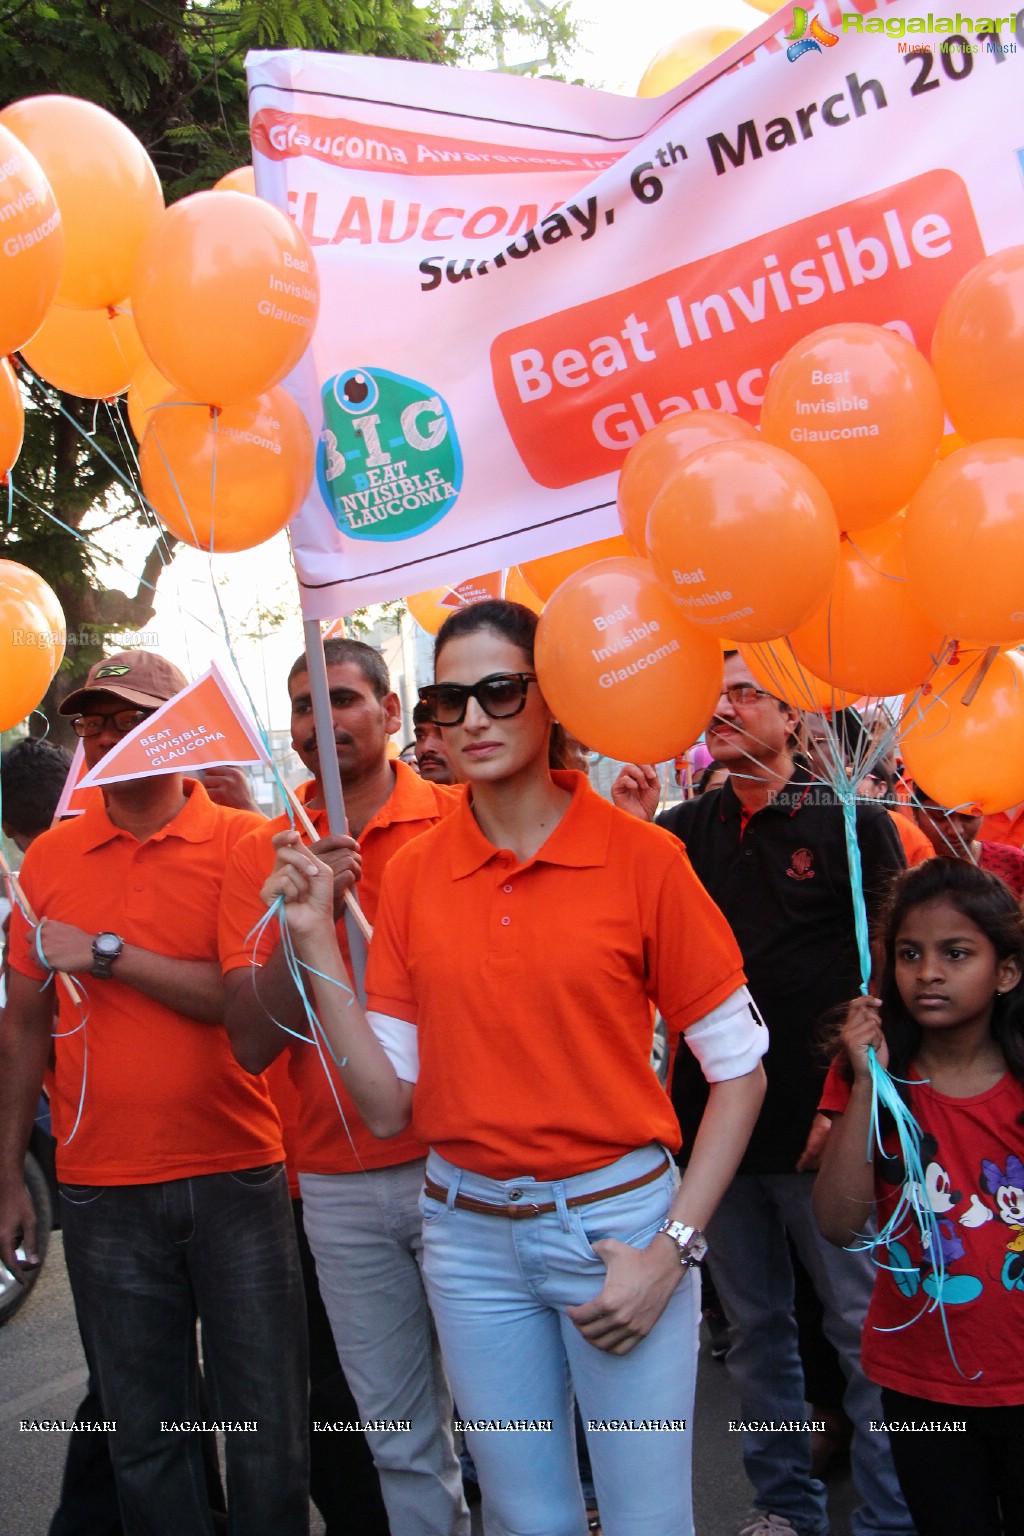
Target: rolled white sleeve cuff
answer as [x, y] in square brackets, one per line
[730, 1040]
[401, 1044]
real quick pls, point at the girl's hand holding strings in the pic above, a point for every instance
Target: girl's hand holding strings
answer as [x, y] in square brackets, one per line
[862, 1027]
[307, 884]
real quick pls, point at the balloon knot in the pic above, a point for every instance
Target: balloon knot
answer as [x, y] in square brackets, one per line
[844, 537]
[215, 411]
[954, 655]
[926, 689]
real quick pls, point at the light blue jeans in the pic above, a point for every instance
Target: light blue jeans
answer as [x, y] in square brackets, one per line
[499, 1291]
[364, 1230]
[754, 1279]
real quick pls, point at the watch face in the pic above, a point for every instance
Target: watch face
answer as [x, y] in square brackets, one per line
[108, 944]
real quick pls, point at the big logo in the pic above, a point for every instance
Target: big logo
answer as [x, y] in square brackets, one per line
[389, 463]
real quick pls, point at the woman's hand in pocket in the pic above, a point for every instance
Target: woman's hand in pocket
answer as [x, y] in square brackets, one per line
[636, 1291]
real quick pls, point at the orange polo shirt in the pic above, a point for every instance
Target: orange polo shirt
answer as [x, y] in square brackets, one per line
[530, 985]
[164, 1097]
[327, 1141]
[1004, 827]
[916, 846]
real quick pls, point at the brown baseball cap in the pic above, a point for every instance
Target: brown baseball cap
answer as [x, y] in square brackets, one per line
[139, 677]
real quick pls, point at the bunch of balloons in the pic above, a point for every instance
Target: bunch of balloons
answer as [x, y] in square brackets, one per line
[198, 311]
[848, 547]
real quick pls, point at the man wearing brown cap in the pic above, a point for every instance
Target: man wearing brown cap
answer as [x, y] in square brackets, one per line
[174, 1203]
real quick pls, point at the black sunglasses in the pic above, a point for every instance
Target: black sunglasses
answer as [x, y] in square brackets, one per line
[500, 696]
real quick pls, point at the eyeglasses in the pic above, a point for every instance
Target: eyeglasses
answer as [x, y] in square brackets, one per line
[500, 696]
[123, 721]
[739, 694]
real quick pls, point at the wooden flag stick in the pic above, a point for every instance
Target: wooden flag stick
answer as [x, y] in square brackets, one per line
[18, 895]
[350, 898]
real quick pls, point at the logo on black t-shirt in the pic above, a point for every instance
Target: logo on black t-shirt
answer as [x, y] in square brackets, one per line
[801, 865]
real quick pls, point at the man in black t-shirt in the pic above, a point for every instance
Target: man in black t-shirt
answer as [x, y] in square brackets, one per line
[770, 847]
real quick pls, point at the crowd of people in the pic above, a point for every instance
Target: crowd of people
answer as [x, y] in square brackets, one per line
[449, 1207]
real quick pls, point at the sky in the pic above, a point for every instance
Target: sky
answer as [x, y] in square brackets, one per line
[618, 42]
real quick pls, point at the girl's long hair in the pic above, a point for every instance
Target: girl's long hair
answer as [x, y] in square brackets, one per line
[990, 906]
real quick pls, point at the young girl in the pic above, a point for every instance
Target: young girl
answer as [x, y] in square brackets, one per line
[516, 956]
[950, 1021]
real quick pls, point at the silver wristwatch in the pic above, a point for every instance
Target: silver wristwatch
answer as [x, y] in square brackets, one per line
[692, 1244]
[106, 947]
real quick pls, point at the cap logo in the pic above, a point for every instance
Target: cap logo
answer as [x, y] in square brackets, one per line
[112, 672]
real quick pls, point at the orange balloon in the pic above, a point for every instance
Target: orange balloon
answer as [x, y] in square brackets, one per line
[227, 480]
[147, 388]
[225, 295]
[547, 573]
[621, 668]
[744, 538]
[972, 752]
[28, 584]
[861, 408]
[518, 590]
[241, 180]
[32, 251]
[965, 544]
[776, 668]
[650, 461]
[683, 57]
[87, 352]
[106, 188]
[12, 418]
[978, 348]
[869, 635]
[28, 656]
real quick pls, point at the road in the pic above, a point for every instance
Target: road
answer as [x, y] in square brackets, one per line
[42, 1376]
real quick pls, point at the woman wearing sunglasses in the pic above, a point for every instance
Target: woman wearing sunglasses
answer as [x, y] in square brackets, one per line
[519, 948]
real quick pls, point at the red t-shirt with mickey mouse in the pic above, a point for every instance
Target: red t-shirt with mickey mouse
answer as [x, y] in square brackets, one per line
[974, 1183]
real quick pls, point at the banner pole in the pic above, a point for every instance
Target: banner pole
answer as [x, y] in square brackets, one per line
[330, 781]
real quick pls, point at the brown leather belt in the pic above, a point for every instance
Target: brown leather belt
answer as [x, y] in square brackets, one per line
[523, 1212]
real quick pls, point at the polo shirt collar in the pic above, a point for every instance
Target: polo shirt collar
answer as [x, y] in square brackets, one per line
[411, 799]
[579, 841]
[730, 807]
[193, 823]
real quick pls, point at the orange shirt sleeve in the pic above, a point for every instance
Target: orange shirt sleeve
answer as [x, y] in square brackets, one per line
[693, 960]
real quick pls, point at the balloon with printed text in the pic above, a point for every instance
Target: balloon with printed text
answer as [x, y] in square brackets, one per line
[32, 251]
[649, 462]
[225, 295]
[12, 418]
[869, 636]
[964, 544]
[88, 352]
[548, 572]
[106, 188]
[621, 668]
[745, 540]
[962, 742]
[227, 479]
[978, 348]
[861, 408]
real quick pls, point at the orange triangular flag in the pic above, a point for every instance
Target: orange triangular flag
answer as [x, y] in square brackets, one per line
[73, 798]
[204, 726]
[475, 590]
